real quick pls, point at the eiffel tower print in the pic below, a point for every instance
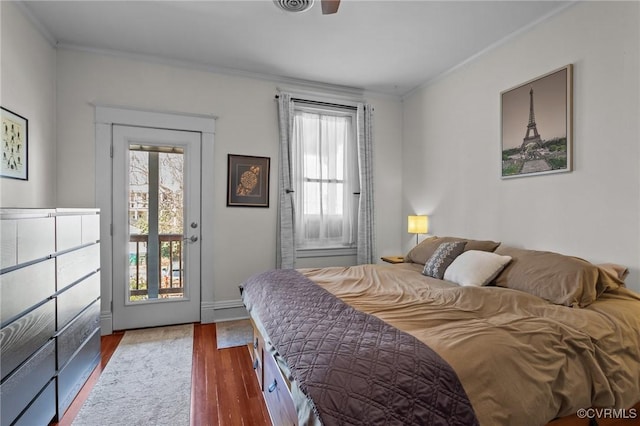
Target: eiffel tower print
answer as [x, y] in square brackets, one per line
[531, 127]
[534, 154]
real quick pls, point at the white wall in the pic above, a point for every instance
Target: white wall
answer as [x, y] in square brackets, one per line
[247, 124]
[451, 154]
[28, 83]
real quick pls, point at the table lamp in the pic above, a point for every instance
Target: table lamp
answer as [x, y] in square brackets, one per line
[418, 225]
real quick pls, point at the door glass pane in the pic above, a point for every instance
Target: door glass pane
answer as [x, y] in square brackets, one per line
[156, 226]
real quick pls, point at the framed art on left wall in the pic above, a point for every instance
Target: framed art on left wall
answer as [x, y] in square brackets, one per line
[15, 143]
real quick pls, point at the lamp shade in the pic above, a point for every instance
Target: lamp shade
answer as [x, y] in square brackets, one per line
[418, 224]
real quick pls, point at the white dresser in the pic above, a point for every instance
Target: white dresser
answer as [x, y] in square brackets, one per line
[49, 310]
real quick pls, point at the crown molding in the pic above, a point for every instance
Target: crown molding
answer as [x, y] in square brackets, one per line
[160, 60]
[44, 31]
[488, 49]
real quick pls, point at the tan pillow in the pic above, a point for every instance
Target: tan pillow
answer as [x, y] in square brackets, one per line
[611, 277]
[560, 279]
[423, 251]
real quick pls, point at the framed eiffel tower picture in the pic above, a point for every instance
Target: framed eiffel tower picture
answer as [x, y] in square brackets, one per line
[536, 128]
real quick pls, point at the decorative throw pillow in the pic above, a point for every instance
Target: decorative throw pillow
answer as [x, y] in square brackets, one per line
[442, 258]
[475, 268]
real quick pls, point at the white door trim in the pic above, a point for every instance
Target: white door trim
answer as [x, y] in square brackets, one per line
[105, 117]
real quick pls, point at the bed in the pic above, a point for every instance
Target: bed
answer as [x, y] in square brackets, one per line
[539, 337]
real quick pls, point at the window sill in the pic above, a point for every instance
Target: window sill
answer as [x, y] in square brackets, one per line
[326, 252]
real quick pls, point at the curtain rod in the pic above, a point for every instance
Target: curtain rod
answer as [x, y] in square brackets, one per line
[319, 103]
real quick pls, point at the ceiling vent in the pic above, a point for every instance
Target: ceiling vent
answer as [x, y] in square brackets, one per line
[294, 5]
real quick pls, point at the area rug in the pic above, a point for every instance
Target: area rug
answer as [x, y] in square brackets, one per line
[146, 382]
[234, 333]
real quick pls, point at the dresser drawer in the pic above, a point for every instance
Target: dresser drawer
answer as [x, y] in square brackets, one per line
[77, 264]
[36, 238]
[78, 369]
[25, 287]
[76, 298]
[21, 387]
[42, 410]
[277, 395]
[26, 335]
[74, 335]
[90, 228]
[68, 232]
[8, 243]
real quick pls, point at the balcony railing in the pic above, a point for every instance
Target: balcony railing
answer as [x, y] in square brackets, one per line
[170, 266]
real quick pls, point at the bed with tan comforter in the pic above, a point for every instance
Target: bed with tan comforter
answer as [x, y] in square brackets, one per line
[522, 359]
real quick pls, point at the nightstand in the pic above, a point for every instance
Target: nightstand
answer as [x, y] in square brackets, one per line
[393, 259]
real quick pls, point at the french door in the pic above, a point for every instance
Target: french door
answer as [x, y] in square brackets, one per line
[156, 227]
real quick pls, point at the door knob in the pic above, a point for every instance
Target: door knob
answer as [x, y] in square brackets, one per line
[191, 239]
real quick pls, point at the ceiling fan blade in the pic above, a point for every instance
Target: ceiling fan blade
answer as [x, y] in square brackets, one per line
[329, 6]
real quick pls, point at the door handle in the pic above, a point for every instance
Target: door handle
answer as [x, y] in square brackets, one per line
[191, 239]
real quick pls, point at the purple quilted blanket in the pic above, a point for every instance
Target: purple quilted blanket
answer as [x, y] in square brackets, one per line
[355, 368]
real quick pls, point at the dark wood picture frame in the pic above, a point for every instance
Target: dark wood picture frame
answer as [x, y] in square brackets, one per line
[248, 181]
[15, 146]
[541, 110]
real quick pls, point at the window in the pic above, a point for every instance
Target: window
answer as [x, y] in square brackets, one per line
[324, 168]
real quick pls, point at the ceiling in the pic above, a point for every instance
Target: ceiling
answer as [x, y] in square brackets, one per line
[388, 47]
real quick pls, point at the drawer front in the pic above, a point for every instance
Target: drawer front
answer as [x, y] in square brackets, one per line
[75, 373]
[73, 336]
[68, 232]
[77, 264]
[8, 243]
[26, 335]
[36, 238]
[90, 228]
[22, 288]
[76, 298]
[17, 391]
[277, 395]
[42, 410]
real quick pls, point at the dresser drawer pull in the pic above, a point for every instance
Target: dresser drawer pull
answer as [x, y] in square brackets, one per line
[255, 364]
[273, 386]
[255, 344]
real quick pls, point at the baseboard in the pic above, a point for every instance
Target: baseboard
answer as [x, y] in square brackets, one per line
[106, 323]
[223, 310]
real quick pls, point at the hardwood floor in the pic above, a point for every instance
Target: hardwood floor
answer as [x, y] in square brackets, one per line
[224, 389]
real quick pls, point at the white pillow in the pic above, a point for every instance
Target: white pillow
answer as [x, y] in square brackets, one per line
[475, 268]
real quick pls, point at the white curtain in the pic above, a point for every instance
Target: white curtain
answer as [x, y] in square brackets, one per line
[285, 243]
[324, 197]
[366, 217]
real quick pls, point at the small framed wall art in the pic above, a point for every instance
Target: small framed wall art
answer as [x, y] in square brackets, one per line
[541, 111]
[15, 144]
[247, 181]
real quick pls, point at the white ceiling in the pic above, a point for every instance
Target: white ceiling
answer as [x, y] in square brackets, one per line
[388, 47]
